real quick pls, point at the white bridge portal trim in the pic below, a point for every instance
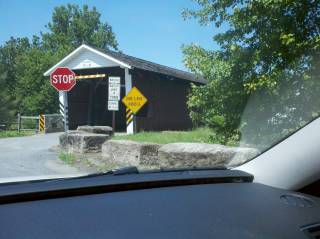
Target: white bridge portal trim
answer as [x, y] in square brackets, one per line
[86, 57]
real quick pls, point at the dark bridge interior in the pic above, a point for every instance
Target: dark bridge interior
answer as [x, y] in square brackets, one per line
[87, 101]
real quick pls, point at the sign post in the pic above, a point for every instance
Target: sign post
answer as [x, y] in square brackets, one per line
[63, 80]
[113, 97]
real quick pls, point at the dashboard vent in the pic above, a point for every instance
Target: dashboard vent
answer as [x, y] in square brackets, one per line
[297, 201]
[312, 231]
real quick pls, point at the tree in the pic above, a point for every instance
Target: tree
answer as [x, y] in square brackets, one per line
[34, 91]
[24, 89]
[7, 109]
[270, 45]
[72, 26]
[220, 102]
[9, 53]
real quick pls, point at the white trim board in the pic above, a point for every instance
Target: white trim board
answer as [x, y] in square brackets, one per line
[97, 59]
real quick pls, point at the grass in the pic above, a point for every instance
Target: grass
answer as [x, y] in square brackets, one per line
[14, 133]
[67, 158]
[200, 135]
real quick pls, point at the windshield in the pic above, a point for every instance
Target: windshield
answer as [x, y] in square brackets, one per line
[86, 89]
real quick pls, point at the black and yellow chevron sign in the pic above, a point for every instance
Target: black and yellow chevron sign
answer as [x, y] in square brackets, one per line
[129, 116]
[41, 123]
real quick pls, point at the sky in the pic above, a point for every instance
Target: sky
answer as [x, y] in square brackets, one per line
[149, 29]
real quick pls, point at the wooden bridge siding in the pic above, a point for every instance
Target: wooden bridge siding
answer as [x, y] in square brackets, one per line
[167, 97]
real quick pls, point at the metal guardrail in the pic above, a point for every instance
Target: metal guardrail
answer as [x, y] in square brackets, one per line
[20, 123]
[47, 123]
[7, 125]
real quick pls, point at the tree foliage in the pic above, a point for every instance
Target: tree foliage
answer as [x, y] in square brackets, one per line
[23, 61]
[72, 26]
[9, 53]
[269, 53]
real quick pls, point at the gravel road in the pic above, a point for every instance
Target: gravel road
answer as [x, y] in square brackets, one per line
[32, 156]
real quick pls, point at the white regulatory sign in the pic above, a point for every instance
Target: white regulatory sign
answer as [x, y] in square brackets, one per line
[114, 88]
[114, 79]
[113, 105]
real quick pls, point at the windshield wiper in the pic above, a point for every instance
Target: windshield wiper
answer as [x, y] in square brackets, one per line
[194, 168]
[124, 171]
[135, 170]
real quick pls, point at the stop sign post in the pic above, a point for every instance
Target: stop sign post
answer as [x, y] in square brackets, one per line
[63, 79]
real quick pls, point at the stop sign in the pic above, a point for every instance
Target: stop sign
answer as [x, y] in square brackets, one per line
[63, 79]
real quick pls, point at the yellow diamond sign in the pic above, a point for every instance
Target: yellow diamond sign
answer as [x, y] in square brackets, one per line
[134, 100]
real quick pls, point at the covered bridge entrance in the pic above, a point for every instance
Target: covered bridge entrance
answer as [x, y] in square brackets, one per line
[86, 104]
